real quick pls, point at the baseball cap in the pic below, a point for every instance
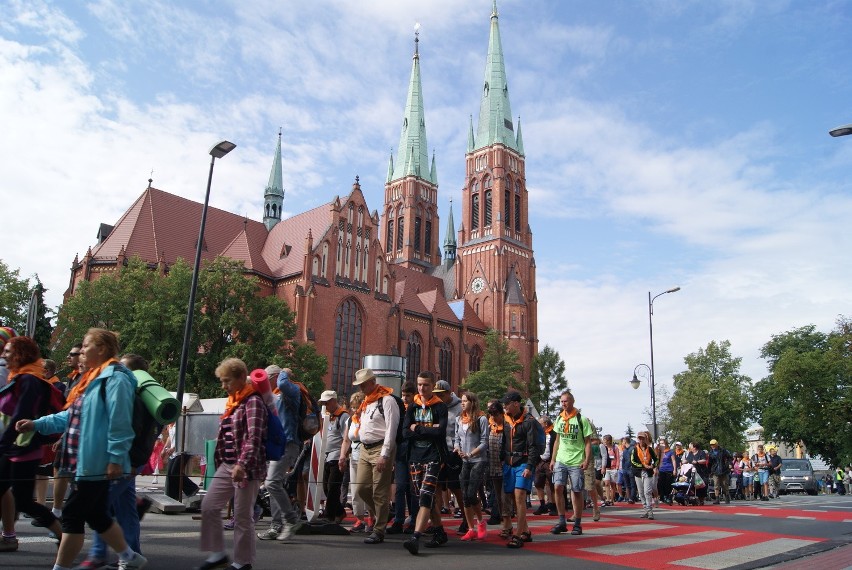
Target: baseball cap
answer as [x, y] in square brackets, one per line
[441, 386]
[511, 397]
[713, 442]
[328, 395]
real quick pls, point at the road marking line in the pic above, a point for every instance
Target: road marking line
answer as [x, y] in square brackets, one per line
[171, 535]
[640, 546]
[802, 518]
[748, 514]
[813, 511]
[725, 558]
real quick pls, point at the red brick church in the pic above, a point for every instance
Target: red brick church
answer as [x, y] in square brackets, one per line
[375, 282]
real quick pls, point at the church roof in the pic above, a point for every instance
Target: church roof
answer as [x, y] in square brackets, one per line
[284, 249]
[162, 223]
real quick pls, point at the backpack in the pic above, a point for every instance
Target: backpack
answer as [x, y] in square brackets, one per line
[308, 413]
[401, 405]
[276, 439]
[145, 426]
[54, 402]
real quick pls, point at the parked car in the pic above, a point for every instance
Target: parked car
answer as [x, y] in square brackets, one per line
[798, 475]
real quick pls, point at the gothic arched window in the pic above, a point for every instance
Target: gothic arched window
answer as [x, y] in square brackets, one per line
[400, 230]
[445, 361]
[488, 207]
[412, 355]
[475, 359]
[517, 213]
[346, 357]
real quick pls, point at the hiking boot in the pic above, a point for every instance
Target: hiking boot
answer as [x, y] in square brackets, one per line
[359, 526]
[650, 516]
[8, 544]
[395, 528]
[271, 533]
[559, 528]
[374, 538]
[438, 539]
[577, 530]
[596, 515]
[542, 509]
[551, 509]
[412, 545]
[643, 515]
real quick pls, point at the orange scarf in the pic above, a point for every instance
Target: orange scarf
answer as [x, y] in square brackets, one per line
[496, 427]
[566, 418]
[418, 399]
[376, 395]
[513, 423]
[84, 382]
[548, 429]
[467, 418]
[53, 380]
[34, 368]
[234, 400]
[644, 456]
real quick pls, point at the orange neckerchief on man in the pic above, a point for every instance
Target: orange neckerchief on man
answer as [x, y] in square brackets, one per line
[376, 395]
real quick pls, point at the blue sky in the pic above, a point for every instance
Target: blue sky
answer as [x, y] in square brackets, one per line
[669, 143]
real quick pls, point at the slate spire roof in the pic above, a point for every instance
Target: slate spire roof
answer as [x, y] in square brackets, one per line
[495, 112]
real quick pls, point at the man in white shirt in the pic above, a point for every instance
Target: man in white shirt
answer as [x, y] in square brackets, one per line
[379, 421]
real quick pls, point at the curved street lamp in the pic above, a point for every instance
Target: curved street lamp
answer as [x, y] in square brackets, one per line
[841, 131]
[651, 337]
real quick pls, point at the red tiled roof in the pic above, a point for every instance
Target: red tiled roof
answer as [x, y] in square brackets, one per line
[422, 293]
[292, 232]
[247, 248]
[159, 222]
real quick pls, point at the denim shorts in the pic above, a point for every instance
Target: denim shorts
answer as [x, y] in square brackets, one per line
[562, 474]
[763, 476]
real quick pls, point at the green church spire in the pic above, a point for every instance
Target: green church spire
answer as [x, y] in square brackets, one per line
[519, 141]
[273, 195]
[413, 151]
[390, 167]
[450, 240]
[495, 112]
[470, 137]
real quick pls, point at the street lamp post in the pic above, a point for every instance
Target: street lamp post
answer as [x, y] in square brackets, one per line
[217, 151]
[635, 382]
[651, 336]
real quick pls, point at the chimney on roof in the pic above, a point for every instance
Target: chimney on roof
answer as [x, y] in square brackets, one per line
[103, 232]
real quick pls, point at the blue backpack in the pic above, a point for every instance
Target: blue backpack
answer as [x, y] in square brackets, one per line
[276, 440]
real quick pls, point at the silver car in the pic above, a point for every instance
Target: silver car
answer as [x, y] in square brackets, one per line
[797, 475]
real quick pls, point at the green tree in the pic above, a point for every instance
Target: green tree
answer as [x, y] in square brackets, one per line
[14, 297]
[308, 367]
[547, 380]
[629, 431]
[148, 310]
[807, 395]
[691, 415]
[499, 370]
[43, 327]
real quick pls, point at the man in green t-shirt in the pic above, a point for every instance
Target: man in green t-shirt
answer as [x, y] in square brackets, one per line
[572, 453]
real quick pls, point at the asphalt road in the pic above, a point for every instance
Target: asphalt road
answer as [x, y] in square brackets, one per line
[738, 536]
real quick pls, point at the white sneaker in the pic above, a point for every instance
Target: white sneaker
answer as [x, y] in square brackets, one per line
[271, 533]
[286, 531]
[138, 561]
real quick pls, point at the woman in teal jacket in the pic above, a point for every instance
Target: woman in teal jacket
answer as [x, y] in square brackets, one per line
[98, 434]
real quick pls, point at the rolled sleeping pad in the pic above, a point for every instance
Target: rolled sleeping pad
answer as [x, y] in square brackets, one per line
[161, 405]
[260, 381]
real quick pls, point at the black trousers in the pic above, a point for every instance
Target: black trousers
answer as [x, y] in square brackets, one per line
[174, 476]
[20, 476]
[333, 479]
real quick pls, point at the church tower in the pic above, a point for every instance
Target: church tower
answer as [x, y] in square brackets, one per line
[495, 266]
[410, 213]
[273, 196]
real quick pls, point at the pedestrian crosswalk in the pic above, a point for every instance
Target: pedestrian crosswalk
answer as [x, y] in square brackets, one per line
[623, 541]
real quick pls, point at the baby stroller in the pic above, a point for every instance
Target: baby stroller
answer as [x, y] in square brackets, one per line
[683, 489]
